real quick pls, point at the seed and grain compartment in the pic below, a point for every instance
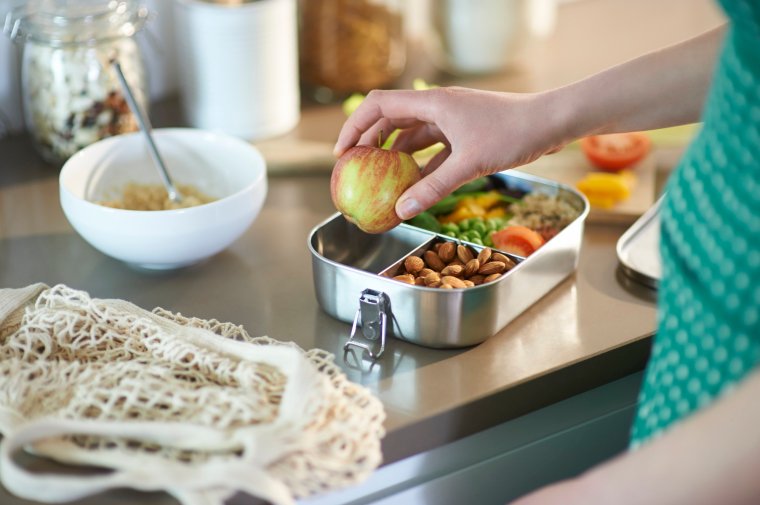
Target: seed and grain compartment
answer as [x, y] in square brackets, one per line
[354, 280]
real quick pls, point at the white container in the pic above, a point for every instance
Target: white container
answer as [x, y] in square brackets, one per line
[479, 36]
[221, 166]
[238, 66]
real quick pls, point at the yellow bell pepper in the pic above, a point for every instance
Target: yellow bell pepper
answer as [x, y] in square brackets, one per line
[488, 200]
[605, 190]
[466, 208]
[481, 205]
[474, 206]
[459, 214]
[496, 212]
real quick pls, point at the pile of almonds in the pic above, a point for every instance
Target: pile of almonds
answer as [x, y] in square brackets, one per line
[450, 266]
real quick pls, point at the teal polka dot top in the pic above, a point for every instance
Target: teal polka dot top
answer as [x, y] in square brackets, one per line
[708, 335]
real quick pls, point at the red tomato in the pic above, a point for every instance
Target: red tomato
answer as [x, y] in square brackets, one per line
[616, 151]
[517, 240]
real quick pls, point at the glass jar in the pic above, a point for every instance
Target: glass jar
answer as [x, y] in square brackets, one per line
[350, 46]
[71, 95]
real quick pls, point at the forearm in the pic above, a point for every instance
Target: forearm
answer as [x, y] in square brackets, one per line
[660, 89]
[711, 457]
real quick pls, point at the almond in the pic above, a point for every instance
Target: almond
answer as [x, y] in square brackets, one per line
[464, 253]
[456, 261]
[447, 251]
[492, 267]
[504, 259]
[491, 277]
[484, 255]
[425, 272]
[454, 270]
[414, 264]
[454, 281]
[419, 281]
[432, 278]
[435, 284]
[434, 261]
[408, 278]
[446, 286]
[472, 267]
[469, 284]
[477, 279]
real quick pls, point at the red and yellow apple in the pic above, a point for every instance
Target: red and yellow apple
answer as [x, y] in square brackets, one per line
[366, 182]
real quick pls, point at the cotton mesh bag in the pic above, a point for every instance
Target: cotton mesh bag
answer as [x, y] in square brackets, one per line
[194, 407]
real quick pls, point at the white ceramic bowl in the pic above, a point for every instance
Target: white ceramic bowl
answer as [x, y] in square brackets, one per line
[221, 166]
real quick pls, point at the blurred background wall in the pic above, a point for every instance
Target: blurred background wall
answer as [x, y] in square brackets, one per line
[160, 52]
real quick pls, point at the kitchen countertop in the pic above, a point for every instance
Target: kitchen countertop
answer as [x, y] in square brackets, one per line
[592, 328]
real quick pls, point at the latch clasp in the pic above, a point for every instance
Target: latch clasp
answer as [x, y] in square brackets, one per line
[372, 316]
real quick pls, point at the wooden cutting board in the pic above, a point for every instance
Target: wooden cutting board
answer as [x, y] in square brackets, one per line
[570, 166]
[287, 156]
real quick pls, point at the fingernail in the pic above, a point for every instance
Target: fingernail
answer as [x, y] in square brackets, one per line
[408, 208]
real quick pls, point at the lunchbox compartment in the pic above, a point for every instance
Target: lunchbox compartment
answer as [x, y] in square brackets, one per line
[398, 268]
[343, 242]
[497, 201]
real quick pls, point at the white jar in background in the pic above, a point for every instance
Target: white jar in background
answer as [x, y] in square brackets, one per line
[478, 36]
[71, 97]
[238, 65]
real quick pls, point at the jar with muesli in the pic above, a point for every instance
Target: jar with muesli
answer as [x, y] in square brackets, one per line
[348, 46]
[71, 95]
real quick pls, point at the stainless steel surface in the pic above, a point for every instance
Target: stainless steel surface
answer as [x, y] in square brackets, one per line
[346, 261]
[145, 127]
[638, 249]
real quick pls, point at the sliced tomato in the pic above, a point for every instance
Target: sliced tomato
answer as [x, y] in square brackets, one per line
[616, 151]
[518, 240]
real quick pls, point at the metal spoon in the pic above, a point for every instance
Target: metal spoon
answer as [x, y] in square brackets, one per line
[145, 127]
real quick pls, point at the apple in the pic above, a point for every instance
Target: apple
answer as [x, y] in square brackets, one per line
[366, 182]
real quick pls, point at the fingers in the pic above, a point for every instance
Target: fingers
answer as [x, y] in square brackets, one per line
[436, 161]
[386, 126]
[419, 137]
[402, 109]
[377, 133]
[437, 184]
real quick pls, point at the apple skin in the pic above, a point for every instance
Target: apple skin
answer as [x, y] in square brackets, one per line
[366, 182]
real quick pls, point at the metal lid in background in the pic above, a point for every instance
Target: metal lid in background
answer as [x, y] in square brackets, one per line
[638, 249]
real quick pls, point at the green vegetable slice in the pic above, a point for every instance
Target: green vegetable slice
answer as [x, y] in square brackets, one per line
[445, 205]
[476, 185]
[427, 221]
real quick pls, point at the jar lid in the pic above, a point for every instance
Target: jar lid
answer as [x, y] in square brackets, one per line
[65, 22]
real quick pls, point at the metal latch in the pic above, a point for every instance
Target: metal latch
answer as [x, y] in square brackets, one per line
[372, 315]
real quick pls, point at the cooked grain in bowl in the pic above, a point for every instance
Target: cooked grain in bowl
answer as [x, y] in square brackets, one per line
[154, 197]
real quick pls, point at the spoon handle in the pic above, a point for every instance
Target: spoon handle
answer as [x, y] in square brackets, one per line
[145, 127]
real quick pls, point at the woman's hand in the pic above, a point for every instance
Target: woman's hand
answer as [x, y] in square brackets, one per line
[483, 132]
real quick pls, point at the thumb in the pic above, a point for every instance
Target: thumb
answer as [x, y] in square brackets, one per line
[434, 186]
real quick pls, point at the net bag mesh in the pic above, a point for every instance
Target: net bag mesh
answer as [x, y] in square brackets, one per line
[195, 407]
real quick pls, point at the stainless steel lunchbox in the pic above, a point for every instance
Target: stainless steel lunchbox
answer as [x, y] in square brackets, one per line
[347, 266]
